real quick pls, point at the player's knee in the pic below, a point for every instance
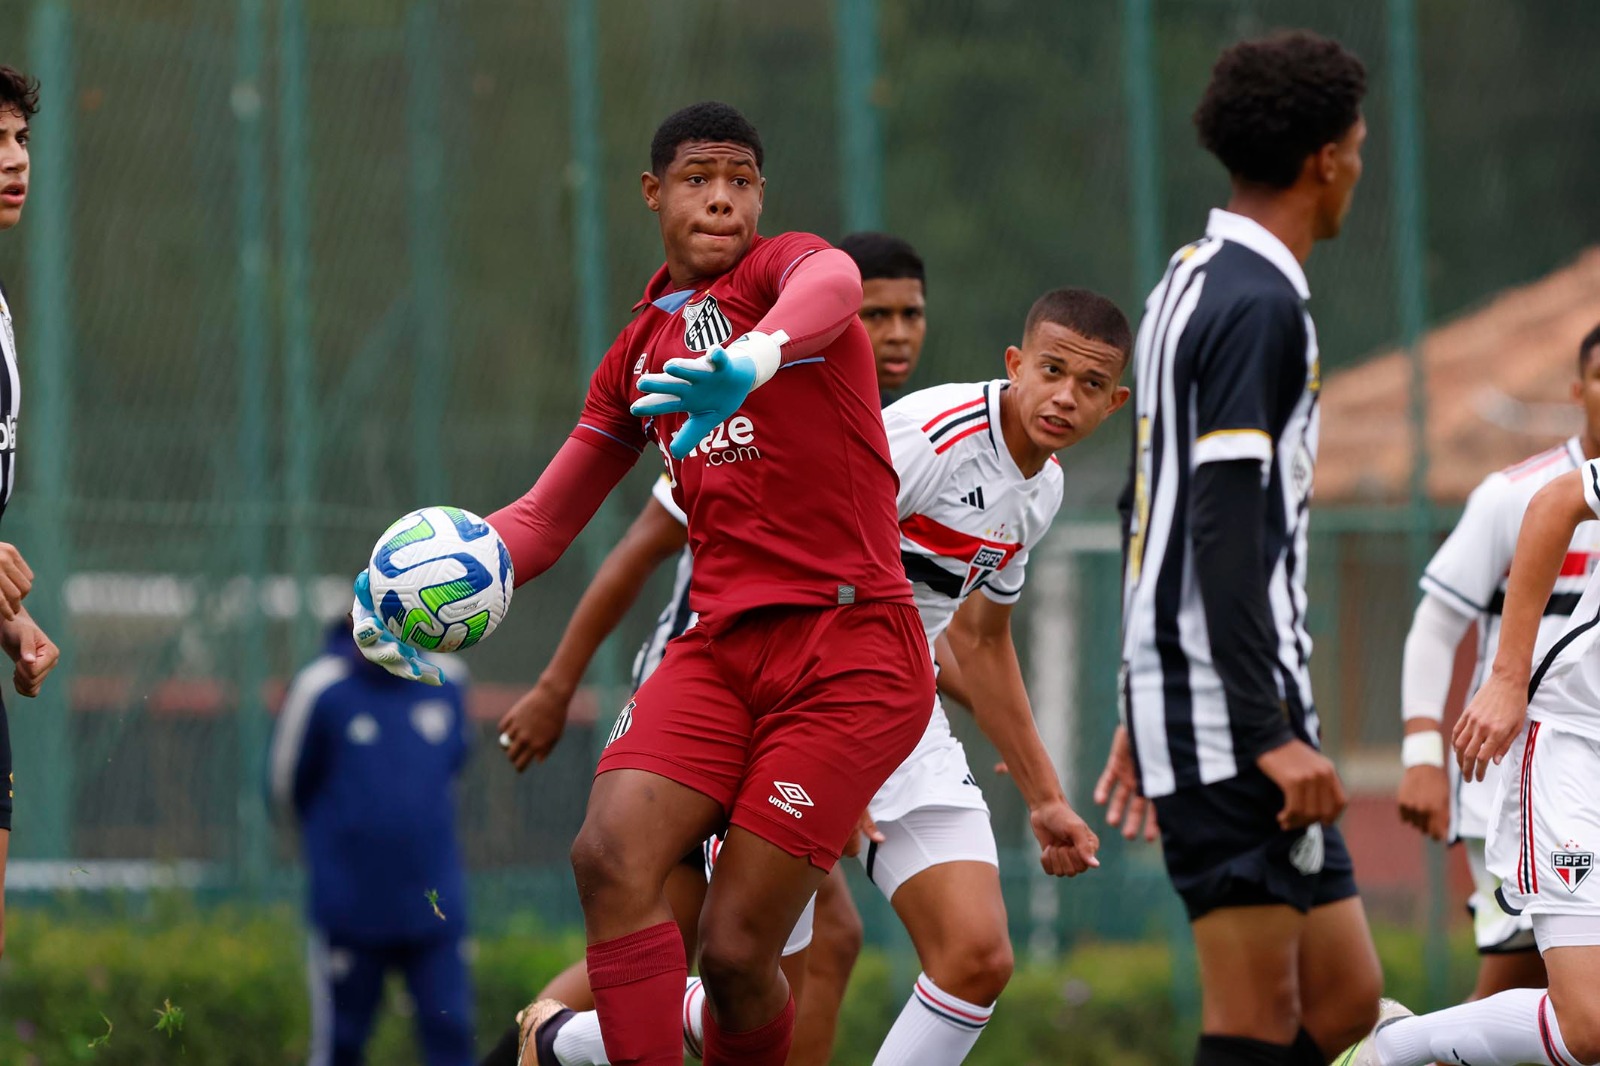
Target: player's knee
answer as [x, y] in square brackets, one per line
[734, 961]
[977, 970]
[600, 865]
[1579, 1020]
[837, 945]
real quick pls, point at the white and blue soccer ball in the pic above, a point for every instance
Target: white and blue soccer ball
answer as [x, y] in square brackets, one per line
[440, 578]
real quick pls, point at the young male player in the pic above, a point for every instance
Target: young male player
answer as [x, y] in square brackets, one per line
[1466, 583]
[21, 638]
[1546, 823]
[893, 305]
[1216, 690]
[806, 680]
[979, 486]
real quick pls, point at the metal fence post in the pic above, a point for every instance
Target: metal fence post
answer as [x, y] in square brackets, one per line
[1411, 273]
[589, 272]
[860, 133]
[430, 297]
[253, 492]
[301, 426]
[1144, 143]
[44, 729]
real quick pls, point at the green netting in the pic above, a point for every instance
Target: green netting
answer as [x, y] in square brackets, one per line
[294, 267]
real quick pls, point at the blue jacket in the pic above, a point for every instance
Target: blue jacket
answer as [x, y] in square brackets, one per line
[366, 764]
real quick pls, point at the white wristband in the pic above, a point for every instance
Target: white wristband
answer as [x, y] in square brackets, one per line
[1422, 749]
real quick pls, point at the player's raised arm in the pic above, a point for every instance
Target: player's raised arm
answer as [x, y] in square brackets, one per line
[530, 729]
[818, 297]
[1492, 721]
[980, 635]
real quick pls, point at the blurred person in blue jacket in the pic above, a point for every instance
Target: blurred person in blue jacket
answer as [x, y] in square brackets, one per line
[364, 764]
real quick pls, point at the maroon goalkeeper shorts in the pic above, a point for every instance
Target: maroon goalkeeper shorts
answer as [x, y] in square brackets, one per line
[790, 717]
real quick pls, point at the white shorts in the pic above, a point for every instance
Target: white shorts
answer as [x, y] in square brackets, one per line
[800, 935]
[1547, 824]
[1496, 932]
[927, 837]
[1472, 803]
[935, 774]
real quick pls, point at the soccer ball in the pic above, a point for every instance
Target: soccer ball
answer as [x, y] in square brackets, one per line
[440, 578]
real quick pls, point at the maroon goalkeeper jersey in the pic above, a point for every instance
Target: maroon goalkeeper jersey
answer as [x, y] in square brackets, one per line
[792, 500]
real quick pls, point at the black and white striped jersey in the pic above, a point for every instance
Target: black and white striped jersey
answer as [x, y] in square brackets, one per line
[676, 617]
[10, 400]
[1227, 369]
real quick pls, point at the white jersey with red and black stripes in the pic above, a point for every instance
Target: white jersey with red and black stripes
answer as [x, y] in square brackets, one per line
[1546, 831]
[1469, 574]
[967, 514]
[968, 518]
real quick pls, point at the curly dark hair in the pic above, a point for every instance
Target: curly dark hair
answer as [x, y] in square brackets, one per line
[18, 92]
[707, 121]
[1587, 349]
[1274, 100]
[882, 255]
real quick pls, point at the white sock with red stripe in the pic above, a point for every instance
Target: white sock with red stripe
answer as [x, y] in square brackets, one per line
[1504, 1030]
[934, 1029]
[579, 1043]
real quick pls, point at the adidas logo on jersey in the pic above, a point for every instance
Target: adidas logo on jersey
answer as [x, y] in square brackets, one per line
[792, 796]
[732, 442]
[974, 498]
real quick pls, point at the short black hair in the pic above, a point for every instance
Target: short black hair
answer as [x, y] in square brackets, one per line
[706, 121]
[1587, 349]
[1085, 313]
[1274, 100]
[18, 92]
[882, 255]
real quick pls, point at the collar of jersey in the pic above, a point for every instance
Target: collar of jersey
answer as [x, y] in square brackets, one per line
[997, 436]
[1227, 226]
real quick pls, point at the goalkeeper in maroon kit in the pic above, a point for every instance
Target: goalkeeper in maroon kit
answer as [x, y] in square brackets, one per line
[807, 679]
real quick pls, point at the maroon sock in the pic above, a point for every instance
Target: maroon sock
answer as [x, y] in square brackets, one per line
[766, 1046]
[638, 984]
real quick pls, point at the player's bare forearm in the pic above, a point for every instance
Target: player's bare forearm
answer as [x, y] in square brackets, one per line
[980, 636]
[542, 524]
[952, 682]
[1547, 527]
[654, 537]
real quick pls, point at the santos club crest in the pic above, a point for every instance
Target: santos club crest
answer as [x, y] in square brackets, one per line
[705, 326]
[1573, 867]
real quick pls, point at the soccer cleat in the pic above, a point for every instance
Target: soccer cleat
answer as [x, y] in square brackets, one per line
[539, 1023]
[1365, 1053]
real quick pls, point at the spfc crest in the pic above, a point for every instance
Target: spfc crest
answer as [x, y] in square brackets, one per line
[983, 563]
[1573, 867]
[705, 326]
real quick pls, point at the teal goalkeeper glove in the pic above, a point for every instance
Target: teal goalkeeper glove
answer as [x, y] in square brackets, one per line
[379, 646]
[709, 389]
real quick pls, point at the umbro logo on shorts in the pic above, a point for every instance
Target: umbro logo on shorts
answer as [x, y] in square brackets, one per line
[1573, 867]
[624, 720]
[792, 796]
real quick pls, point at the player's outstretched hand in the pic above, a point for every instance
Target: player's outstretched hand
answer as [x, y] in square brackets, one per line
[16, 580]
[1067, 844]
[1489, 724]
[1118, 792]
[1425, 800]
[710, 388]
[379, 646]
[1311, 788]
[530, 729]
[34, 653]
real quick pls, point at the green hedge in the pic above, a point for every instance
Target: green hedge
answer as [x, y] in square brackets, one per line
[239, 977]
